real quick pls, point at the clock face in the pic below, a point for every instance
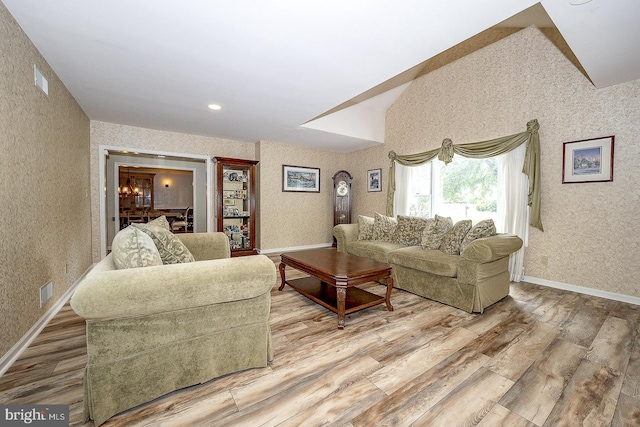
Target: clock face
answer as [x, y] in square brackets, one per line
[342, 189]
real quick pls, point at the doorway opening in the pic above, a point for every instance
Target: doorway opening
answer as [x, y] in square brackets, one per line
[145, 194]
[140, 186]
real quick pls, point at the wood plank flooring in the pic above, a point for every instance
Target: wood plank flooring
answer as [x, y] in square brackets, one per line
[540, 357]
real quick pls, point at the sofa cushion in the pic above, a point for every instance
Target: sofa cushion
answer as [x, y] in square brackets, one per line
[373, 249]
[430, 260]
[482, 229]
[384, 227]
[365, 227]
[409, 230]
[132, 248]
[171, 249]
[435, 231]
[452, 240]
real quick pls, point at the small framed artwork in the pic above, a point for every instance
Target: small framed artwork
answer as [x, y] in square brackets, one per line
[588, 160]
[300, 179]
[374, 180]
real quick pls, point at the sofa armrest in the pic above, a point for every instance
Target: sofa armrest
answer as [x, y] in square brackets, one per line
[204, 246]
[344, 234]
[105, 294]
[489, 249]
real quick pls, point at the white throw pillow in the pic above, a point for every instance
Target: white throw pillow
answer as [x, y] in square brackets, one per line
[132, 248]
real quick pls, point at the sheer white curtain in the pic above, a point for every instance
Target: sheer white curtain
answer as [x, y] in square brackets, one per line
[513, 212]
[401, 198]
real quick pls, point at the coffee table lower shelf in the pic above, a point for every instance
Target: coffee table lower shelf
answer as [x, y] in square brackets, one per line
[326, 295]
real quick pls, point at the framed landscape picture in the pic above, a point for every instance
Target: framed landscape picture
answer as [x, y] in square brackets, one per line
[299, 178]
[588, 160]
[374, 180]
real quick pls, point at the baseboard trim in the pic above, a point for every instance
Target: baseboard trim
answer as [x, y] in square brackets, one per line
[583, 290]
[23, 343]
[293, 248]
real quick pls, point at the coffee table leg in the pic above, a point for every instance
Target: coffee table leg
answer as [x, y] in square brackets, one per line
[341, 293]
[389, 288]
[281, 268]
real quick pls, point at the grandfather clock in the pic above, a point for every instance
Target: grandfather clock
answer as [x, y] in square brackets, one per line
[341, 199]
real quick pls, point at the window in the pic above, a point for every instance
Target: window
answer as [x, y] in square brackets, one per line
[419, 197]
[466, 189]
[463, 189]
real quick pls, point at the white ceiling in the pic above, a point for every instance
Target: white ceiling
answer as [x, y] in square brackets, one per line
[274, 65]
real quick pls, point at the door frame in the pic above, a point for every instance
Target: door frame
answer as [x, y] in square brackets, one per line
[103, 152]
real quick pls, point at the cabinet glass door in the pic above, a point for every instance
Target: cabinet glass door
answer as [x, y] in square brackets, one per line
[236, 209]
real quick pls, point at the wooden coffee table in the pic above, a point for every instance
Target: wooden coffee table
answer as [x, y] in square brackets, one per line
[334, 277]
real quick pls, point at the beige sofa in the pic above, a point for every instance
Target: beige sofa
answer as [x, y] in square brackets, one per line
[471, 281]
[153, 330]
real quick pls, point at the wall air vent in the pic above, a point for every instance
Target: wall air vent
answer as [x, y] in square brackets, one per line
[46, 292]
[41, 81]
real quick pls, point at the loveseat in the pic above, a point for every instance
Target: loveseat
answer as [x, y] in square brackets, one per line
[155, 329]
[471, 280]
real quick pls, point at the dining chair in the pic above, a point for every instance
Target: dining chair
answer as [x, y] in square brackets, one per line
[136, 217]
[181, 223]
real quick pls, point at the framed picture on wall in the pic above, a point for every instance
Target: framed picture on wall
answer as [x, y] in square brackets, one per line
[588, 160]
[299, 178]
[374, 180]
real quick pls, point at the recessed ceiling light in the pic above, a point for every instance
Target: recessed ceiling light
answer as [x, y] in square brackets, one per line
[214, 107]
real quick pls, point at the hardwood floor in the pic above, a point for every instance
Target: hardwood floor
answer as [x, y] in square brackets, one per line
[540, 357]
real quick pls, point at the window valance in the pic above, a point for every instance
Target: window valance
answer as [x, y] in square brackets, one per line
[483, 150]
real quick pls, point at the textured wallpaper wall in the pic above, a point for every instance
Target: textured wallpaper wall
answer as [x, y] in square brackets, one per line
[295, 219]
[591, 230]
[178, 195]
[44, 170]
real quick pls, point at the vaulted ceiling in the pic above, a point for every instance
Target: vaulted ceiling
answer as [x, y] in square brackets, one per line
[319, 74]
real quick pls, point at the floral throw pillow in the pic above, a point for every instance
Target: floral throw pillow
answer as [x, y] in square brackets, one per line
[171, 249]
[409, 230]
[485, 228]
[383, 227]
[161, 222]
[131, 248]
[365, 227]
[435, 231]
[453, 239]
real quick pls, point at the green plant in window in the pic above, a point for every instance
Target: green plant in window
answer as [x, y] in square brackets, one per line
[470, 180]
